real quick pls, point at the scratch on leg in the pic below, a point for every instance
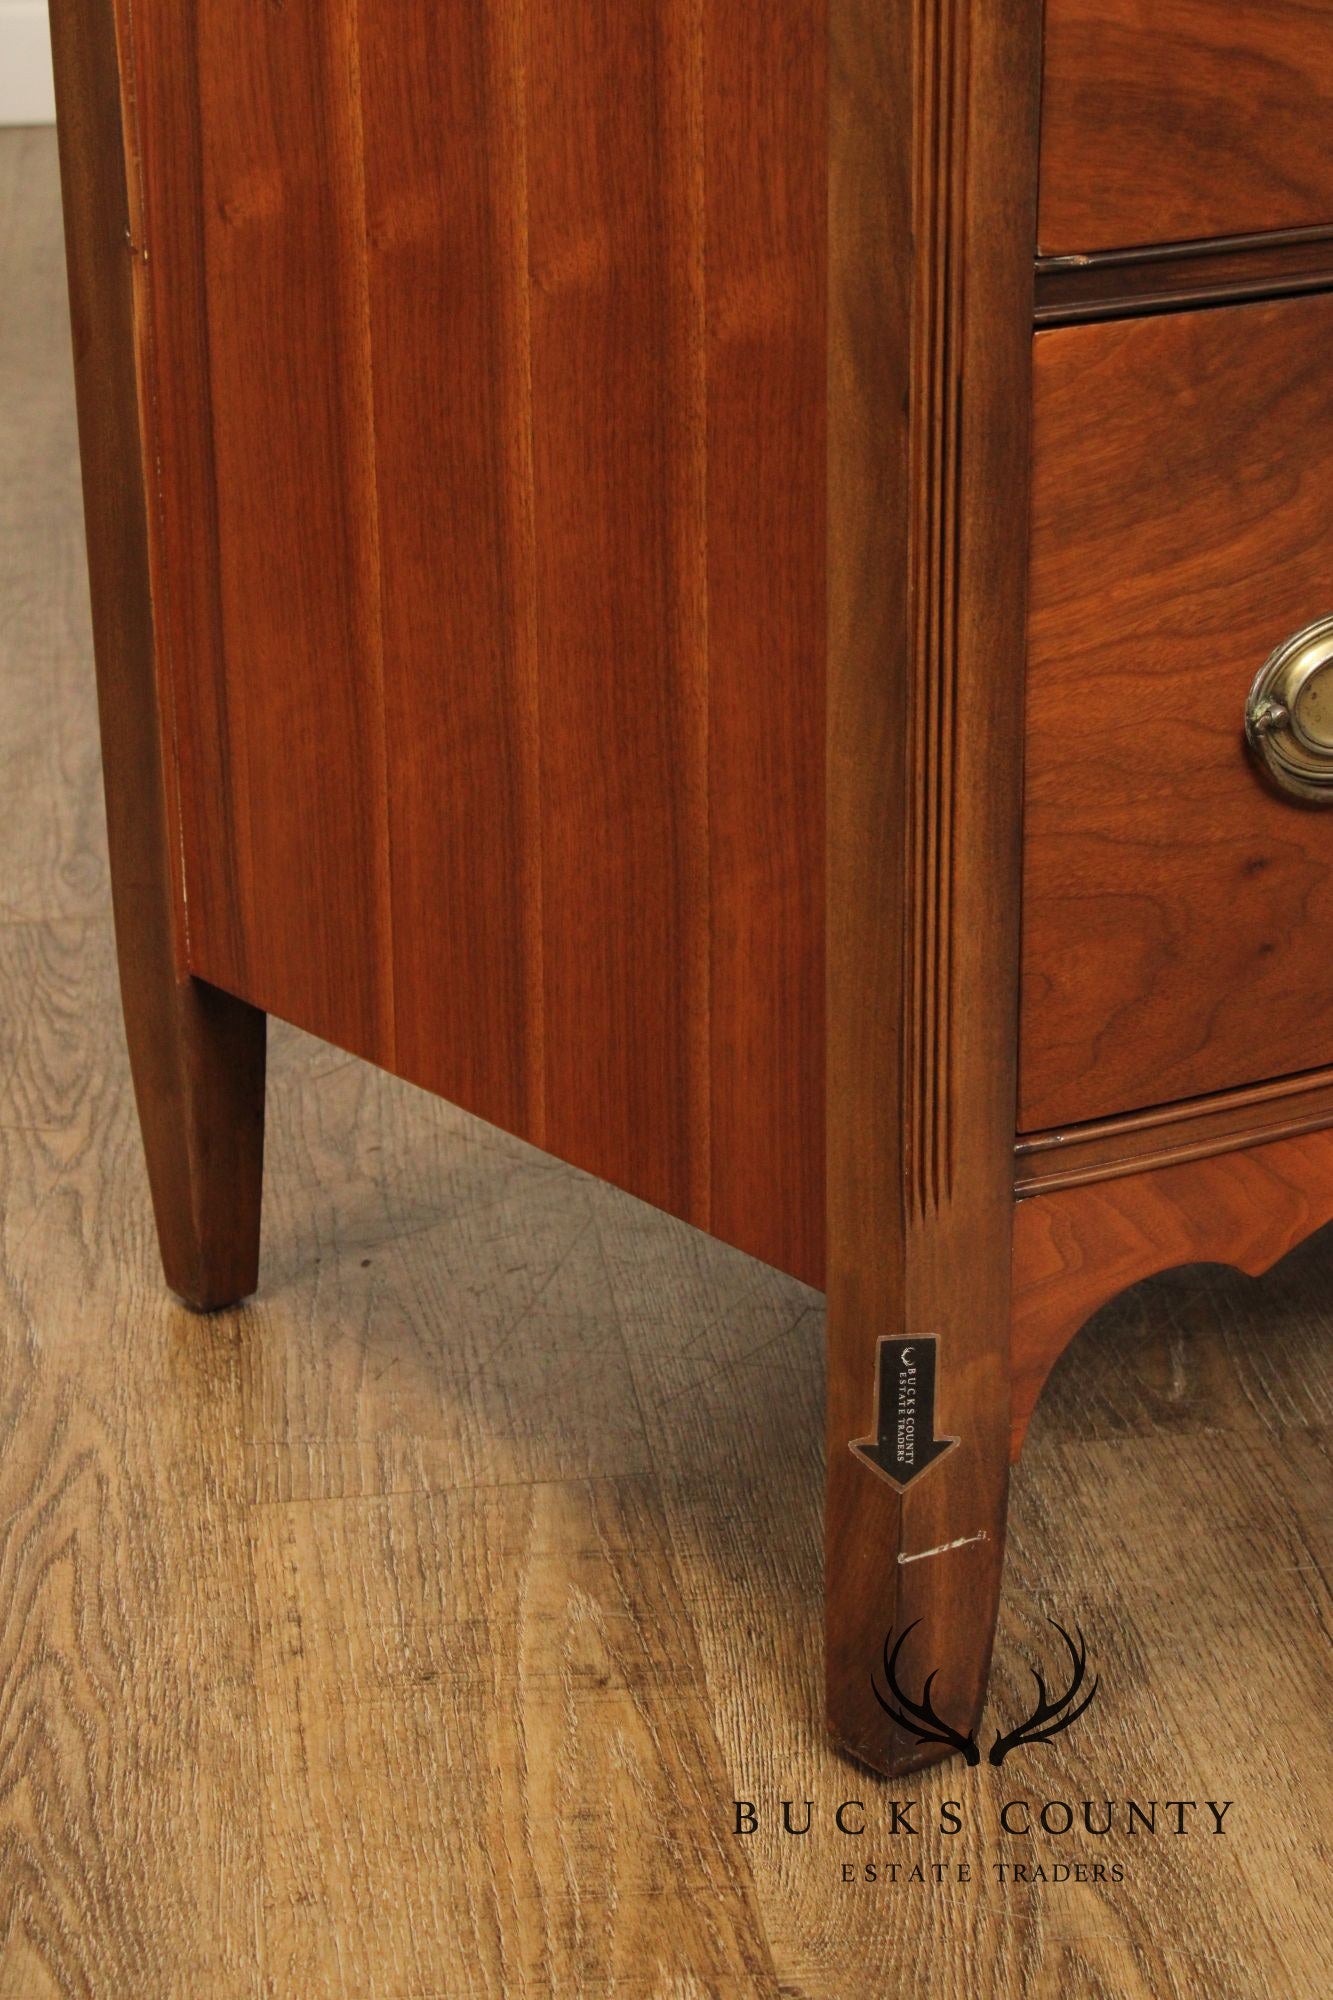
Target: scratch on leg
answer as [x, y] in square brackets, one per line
[963, 1542]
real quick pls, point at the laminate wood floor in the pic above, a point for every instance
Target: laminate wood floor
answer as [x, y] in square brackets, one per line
[412, 1630]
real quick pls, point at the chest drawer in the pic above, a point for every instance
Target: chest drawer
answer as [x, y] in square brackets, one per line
[1169, 120]
[1177, 910]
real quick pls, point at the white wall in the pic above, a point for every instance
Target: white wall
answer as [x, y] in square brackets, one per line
[25, 64]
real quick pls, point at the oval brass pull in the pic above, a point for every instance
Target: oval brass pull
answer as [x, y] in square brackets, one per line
[1289, 715]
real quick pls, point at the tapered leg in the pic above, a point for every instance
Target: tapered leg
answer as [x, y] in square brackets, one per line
[197, 1055]
[933, 141]
[198, 1061]
[918, 1564]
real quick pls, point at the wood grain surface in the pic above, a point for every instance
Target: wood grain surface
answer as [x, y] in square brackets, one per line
[1116, 284]
[1201, 1126]
[411, 1630]
[487, 353]
[1076, 1248]
[1176, 912]
[933, 181]
[197, 1054]
[1168, 120]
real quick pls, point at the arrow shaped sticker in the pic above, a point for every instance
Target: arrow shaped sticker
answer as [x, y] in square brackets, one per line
[904, 1444]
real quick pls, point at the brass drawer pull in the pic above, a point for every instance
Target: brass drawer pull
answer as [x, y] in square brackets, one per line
[1289, 715]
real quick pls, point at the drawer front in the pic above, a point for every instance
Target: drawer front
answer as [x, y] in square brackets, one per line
[1177, 912]
[1168, 120]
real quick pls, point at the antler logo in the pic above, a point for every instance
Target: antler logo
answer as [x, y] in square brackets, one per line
[918, 1718]
[1048, 1719]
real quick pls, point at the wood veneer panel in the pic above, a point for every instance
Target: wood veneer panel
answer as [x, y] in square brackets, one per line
[302, 790]
[1166, 120]
[1076, 1248]
[618, 452]
[488, 409]
[441, 109]
[766, 229]
[1176, 912]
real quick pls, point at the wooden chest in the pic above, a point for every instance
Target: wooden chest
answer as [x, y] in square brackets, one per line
[743, 591]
